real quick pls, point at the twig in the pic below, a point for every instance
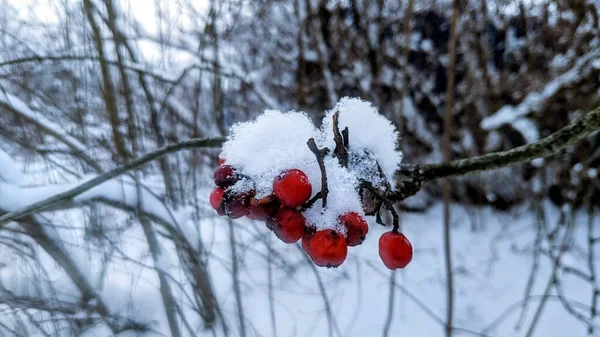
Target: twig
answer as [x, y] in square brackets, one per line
[416, 175]
[591, 264]
[447, 143]
[383, 200]
[235, 270]
[391, 297]
[320, 154]
[72, 193]
[341, 141]
[333, 326]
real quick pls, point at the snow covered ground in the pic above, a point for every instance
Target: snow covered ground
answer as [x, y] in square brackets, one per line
[492, 266]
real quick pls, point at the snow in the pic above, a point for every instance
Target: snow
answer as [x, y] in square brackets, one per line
[276, 141]
[9, 173]
[37, 118]
[368, 130]
[121, 191]
[536, 99]
[489, 269]
[527, 128]
[270, 144]
[538, 162]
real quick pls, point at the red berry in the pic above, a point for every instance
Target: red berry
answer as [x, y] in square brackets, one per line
[221, 160]
[215, 199]
[261, 209]
[236, 205]
[292, 188]
[395, 250]
[356, 228]
[327, 248]
[225, 176]
[309, 232]
[288, 225]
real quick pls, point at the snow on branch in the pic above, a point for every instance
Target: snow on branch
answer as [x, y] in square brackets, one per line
[509, 114]
[65, 195]
[413, 175]
[21, 109]
[37, 118]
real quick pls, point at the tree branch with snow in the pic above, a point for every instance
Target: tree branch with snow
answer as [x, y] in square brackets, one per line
[411, 179]
[416, 175]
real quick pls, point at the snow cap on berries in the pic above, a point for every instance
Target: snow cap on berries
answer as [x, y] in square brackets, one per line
[370, 133]
[273, 142]
[342, 198]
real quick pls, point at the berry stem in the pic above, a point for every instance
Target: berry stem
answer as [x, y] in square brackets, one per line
[387, 203]
[312, 201]
[320, 154]
[341, 141]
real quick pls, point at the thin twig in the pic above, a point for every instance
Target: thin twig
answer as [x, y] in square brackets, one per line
[320, 154]
[72, 193]
[341, 141]
[415, 175]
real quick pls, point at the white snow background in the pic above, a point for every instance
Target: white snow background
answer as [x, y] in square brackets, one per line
[492, 265]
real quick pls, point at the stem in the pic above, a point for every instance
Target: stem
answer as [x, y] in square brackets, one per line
[415, 175]
[341, 141]
[320, 154]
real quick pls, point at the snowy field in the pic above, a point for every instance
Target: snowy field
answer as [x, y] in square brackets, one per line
[492, 266]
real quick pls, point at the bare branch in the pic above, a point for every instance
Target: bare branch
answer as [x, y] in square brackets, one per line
[68, 195]
[546, 147]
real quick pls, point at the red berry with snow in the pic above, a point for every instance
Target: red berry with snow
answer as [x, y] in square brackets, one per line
[292, 188]
[395, 250]
[356, 228]
[216, 196]
[236, 205]
[327, 248]
[261, 209]
[288, 224]
[225, 176]
[221, 160]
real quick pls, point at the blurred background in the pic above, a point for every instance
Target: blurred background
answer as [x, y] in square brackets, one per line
[87, 85]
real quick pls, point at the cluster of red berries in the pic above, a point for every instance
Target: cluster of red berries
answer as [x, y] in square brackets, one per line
[282, 212]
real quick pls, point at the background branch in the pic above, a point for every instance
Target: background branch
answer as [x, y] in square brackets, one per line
[415, 175]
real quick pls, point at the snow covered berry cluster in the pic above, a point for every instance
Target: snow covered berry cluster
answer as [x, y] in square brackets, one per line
[282, 170]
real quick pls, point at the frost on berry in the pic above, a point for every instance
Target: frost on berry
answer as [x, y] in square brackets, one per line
[356, 228]
[236, 204]
[225, 176]
[395, 250]
[312, 184]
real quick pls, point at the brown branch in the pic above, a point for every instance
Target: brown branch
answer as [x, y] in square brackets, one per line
[72, 193]
[416, 175]
[320, 154]
[341, 141]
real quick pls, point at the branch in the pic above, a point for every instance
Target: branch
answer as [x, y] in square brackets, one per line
[320, 154]
[416, 175]
[70, 194]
